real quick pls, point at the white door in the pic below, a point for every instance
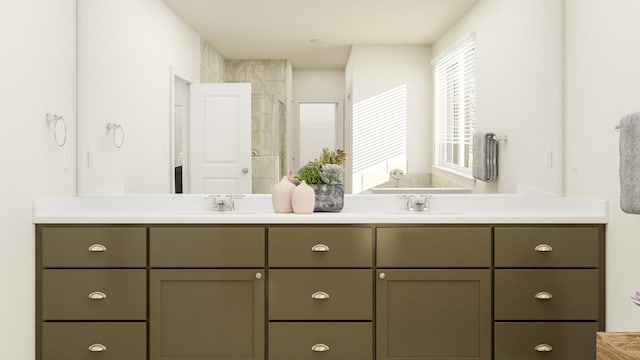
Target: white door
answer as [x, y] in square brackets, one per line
[220, 138]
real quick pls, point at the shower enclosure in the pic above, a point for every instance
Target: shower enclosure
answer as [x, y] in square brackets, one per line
[268, 142]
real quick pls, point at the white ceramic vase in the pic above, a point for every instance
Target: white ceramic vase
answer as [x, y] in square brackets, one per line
[281, 196]
[303, 199]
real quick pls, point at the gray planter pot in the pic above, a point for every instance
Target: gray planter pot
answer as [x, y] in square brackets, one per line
[329, 198]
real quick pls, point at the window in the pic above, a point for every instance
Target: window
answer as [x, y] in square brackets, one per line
[455, 105]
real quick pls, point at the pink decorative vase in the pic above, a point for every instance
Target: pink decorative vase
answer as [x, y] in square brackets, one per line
[281, 196]
[303, 199]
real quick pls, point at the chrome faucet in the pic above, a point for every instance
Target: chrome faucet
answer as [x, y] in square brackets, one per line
[224, 202]
[417, 202]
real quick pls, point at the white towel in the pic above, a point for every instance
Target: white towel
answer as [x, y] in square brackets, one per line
[630, 163]
[485, 156]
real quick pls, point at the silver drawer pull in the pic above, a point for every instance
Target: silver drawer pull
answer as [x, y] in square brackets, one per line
[320, 295]
[543, 295]
[382, 276]
[258, 275]
[543, 248]
[320, 248]
[320, 348]
[97, 248]
[97, 295]
[543, 348]
[97, 348]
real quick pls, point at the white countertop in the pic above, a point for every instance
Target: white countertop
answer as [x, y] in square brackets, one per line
[358, 209]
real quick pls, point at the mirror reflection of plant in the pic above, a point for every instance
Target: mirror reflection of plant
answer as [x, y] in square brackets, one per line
[314, 170]
[332, 174]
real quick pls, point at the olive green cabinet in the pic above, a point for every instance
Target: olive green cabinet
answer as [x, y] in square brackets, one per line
[206, 314]
[549, 292]
[91, 292]
[441, 307]
[319, 292]
[203, 302]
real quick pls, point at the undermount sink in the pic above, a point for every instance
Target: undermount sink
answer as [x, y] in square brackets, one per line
[215, 213]
[425, 213]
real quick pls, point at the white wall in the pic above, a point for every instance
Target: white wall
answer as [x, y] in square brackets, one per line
[519, 87]
[602, 83]
[321, 85]
[125, 51]
[38, 76]
[375, 69]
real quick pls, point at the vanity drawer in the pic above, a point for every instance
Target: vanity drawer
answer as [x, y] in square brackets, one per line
[542, 247]
[320, 247]
[574, 294]
[72, 341]
[297, 294]
[116, 295]
[434, 247]
[305, 341]
[526, 341]
[94, 247]
[207, 247]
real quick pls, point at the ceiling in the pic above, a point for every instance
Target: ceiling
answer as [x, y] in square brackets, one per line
[282, 29]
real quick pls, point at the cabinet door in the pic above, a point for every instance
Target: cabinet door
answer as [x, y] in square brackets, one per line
[206, 314]
[433, 314]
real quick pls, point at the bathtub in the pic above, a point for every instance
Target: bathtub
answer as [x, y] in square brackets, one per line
[420, 190]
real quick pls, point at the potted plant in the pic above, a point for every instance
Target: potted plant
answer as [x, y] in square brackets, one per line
[326, 176]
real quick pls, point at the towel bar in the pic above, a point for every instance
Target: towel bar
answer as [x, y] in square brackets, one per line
[501, 138]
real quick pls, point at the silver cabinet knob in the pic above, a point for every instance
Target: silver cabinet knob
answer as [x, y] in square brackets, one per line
[543, 295]
[97, 248]
[543, 248]
[258, 275]
[320, 348]
[543, 348]
[320, 248]
[320, 295]
[245, 170]
[97, 295]
[97, 348]
[382, 276]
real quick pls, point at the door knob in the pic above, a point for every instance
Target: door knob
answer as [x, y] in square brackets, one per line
[245, 170]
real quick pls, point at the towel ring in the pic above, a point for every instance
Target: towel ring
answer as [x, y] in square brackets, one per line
[55, 119]
[115, 127]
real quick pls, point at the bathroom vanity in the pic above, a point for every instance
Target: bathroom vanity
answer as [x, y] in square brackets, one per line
[185, 283]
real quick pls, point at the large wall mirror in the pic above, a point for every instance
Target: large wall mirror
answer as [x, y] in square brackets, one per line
[137, 59]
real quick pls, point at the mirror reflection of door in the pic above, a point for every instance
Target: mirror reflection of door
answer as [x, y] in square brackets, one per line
[179, 136]
[319, 125]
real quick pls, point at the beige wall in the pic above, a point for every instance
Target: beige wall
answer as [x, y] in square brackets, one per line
[602, 83]
[38, 76]
[519, 87]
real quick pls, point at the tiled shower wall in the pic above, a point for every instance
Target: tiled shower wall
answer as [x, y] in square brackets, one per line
[211, 64]
[268, 80]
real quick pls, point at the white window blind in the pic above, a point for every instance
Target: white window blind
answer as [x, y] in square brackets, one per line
[455, 105]
[379, 128]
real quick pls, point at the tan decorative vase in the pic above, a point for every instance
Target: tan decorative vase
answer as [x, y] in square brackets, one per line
[281, 196]
[303, 199]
